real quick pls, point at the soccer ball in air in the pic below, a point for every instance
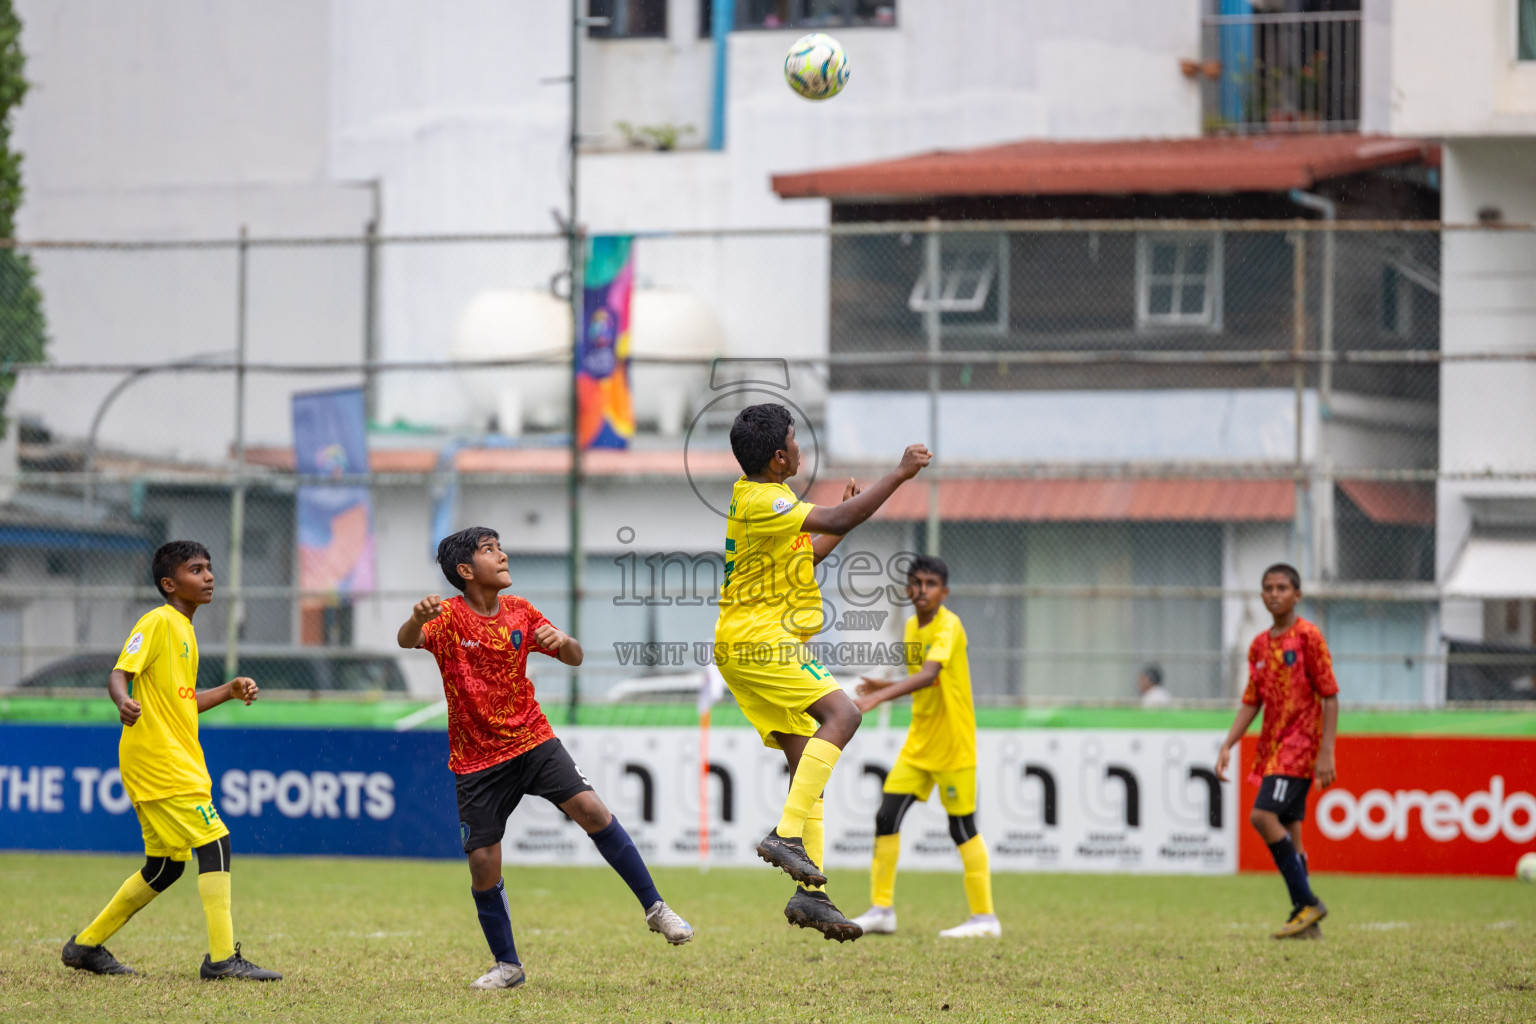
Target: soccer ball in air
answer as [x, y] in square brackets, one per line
[817, 67]
[1525, 867]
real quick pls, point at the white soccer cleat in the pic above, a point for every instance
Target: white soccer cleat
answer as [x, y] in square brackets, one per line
[981, 926]
[503, 975]
[664, 919]
[877, 921]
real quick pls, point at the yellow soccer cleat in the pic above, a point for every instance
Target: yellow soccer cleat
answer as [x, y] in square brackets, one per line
[1301, 920]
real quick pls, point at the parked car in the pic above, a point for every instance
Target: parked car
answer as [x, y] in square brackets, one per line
[317, 669]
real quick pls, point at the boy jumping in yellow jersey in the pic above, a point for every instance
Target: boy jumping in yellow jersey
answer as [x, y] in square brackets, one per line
[769, 606]
[155, 689]
[940, 751]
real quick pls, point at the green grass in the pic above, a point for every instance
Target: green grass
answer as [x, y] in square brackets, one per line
[362, 940]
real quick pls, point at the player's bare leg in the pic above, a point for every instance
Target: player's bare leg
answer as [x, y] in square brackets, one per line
[588, 810]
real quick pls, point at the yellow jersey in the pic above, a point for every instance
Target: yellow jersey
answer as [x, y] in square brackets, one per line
[770, 587]
[159, 754]
[943, 733]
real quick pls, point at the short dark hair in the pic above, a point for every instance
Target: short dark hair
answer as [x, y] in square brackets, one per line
[171, 556]
[759, 432]
[1154, 674]
[929, 563]
[1283, 567]
[459, 549]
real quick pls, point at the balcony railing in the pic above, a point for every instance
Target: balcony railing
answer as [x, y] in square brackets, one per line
[1269, 73]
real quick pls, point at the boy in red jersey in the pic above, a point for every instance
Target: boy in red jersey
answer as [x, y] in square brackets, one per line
[500, 745]
[1290, 675]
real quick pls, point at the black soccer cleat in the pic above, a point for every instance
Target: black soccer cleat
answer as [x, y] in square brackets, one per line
[816, 910]
[236, 966]
[789, 854]
[95, 959]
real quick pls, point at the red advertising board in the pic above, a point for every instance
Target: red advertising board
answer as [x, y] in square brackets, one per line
[1418, 805]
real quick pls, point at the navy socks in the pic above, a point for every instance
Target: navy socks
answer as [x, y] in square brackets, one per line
[1294, 870]
[620, 853]
[496, 921]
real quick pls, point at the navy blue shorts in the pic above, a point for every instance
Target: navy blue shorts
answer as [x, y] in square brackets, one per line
[1285, 795]
[488, 797]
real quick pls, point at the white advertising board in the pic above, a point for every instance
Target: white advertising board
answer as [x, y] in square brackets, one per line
[1048, 800]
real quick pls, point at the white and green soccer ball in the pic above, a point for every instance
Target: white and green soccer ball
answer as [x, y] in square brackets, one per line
[817, 66]
[1525, 867]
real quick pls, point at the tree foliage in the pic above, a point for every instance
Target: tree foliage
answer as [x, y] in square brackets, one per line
[23, 331]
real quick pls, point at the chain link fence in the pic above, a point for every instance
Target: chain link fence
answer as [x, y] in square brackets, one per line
[1131, 420]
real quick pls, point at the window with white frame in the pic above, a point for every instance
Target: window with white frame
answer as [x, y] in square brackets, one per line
[972, 292]
[771, 14]
[628, 19]
[1178, 280]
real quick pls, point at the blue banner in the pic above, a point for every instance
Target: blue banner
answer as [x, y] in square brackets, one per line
[330, 438]
[280, 791]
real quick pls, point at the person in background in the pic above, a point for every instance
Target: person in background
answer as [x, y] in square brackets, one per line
[1150, 685]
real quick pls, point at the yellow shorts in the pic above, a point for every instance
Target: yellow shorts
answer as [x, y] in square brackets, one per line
[957, 789]
[775, 685]
[175, 826]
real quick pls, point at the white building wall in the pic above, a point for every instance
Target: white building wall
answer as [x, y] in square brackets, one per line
[1488, 410]
[165, 120]
[1455, 72]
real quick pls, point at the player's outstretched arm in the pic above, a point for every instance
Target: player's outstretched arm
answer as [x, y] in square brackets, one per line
[839, 519]
[566, 647]
[1245, 716]
[118, 684]
[874, 692]
[240, 688]
[427, 609]
[823, 543]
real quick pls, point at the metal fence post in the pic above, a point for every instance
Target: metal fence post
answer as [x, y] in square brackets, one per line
[1299, 531]
[576, 245]
[237, 498]
[933, 325]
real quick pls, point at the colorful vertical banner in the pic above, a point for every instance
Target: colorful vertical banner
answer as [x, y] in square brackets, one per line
[330, 438]
[605, 413]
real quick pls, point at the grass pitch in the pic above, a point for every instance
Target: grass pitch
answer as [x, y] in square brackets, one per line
[378, 940]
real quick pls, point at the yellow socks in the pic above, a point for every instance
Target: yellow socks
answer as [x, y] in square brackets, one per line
[132, 897]
[978, 874]
[815, 837]
[810, 779]
[213, 887]
[882, 871]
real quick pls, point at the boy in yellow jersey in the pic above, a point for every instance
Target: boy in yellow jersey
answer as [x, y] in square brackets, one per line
[769, 606]
[155, 689]
[940, 752]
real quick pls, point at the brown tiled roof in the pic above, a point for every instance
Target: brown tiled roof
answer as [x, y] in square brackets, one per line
[1189, 500]
[1269, 163]
[529, 461]
[1393, 504]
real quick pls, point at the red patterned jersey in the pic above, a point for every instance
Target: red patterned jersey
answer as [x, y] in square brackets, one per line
[1289, 675]
[492, 713]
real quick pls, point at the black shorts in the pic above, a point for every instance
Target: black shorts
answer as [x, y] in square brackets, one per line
[488, 797]
[1285, 795]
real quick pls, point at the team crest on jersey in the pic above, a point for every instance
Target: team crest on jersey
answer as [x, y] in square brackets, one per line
[134, 643]
[1290, 657]
[782, 505]
[517, 639]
